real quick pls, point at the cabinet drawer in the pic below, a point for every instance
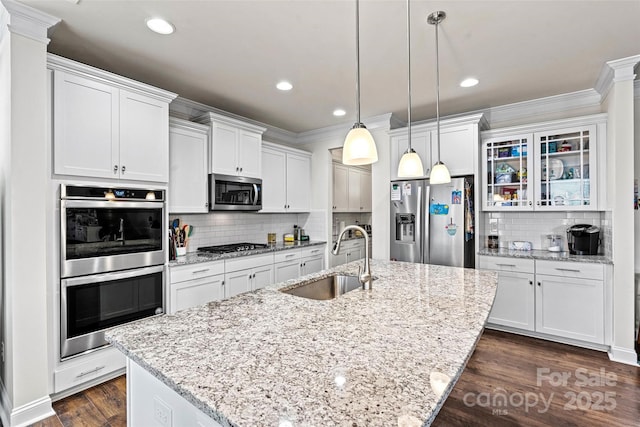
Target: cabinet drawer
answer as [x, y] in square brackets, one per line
[312, 251]
[506, 264]
[246, 262]
[288, 255]
[578, 270]
[86, 368]
[196, 271]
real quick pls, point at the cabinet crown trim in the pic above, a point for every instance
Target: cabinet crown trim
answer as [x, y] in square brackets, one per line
[546, 126]
[211, 118]
[58, 63]
[447, 122]
[175, 122]
[283, 148]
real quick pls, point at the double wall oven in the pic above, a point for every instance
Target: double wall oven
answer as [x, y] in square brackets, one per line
[113, 251]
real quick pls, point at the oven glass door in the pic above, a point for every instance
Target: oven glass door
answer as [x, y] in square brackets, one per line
[99, 236]
[91, 304]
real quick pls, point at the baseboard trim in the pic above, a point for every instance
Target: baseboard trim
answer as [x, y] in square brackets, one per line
[32, 412]
[5, 404]
[623, 355]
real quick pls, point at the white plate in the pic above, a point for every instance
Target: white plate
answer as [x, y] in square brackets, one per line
[556, 169]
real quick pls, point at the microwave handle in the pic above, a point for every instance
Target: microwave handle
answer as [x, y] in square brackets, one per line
[255, 194]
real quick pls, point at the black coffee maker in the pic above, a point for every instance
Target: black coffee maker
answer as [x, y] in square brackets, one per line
[583, 239]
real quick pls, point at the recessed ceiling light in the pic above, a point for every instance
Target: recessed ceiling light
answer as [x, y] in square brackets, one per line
[470, 82]
[339, 112]
[284, 85]
[160, 26]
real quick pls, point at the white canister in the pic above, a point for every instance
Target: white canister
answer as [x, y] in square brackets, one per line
[342, 227]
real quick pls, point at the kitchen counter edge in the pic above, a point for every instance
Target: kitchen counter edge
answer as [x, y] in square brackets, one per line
[546, 255]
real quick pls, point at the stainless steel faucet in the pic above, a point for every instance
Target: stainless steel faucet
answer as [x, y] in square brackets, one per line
[364, 276]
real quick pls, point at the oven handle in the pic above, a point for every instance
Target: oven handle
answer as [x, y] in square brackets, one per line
[109, 204]
[107, 277]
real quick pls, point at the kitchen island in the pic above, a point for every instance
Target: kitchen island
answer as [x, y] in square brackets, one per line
[388, 356]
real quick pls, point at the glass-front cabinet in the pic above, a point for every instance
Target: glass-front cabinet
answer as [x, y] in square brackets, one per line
[506, 161]
[544, 167]
[564, 169]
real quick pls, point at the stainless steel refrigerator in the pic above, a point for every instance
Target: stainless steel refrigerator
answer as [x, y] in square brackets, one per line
[433, 224]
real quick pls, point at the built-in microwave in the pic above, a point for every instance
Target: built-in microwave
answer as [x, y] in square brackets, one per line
[234, 193]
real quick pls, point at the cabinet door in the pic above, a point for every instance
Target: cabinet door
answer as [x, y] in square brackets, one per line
[312, 264]
[515, 301]
[187, 171]
[237, 282]
[570, 308]
[224, 149]
[340, 188]
[420, 143]
[365, 191]
[287, 270]
[249, 151]
[144, 138]
[457, 149]
[196, 292]
[339, 259]
[86, 123]
[298, 182]
[354, 190]
[274, 180]
[262, 276]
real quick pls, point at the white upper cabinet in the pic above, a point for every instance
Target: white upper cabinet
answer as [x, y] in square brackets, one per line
[235, 146]
[340, 188]
[459, 141]
[286, 179]
[106, 126]
[188, 147]
[351, 189]
[545, 167]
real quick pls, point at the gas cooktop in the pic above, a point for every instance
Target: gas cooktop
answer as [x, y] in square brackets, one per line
[232, 247]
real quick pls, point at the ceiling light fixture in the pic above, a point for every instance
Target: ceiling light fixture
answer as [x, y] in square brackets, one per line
[469, 82]
[160, 26]
[439, 173]
[284, 85]
[339, 112]
[410, 165]
[359, 147]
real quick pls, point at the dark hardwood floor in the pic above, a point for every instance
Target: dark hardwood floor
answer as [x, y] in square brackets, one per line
[509, 381]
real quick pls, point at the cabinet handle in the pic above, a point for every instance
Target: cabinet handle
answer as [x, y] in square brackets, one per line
[530, 203]
[92, 371]
[315, 250]
[539, 284]
[289, 256]
[223, 283]
[237, 169]
[204, 270]
[506, 265]
[538, 203]
[249, 276]
[571, 270]
[124, 168]
[305, 264]
[240, 169]
[115, 168]
[531, 282]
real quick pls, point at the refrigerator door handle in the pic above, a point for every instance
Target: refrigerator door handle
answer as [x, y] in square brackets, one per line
[426, 235]
[418, 233]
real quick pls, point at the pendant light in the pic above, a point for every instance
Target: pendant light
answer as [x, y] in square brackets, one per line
[439, 173]
[359, 147]
[410, 164]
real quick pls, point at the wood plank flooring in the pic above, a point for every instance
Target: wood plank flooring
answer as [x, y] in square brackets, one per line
[509, 381]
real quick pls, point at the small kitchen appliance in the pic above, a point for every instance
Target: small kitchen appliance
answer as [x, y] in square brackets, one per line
[583, 239]
[232, 247]
[554, 242]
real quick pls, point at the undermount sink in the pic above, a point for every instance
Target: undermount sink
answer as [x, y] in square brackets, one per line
[326, 288]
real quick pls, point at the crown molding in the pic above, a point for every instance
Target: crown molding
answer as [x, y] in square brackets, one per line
[27, 21]
[384, 121]
[547, 125]
[615, 71]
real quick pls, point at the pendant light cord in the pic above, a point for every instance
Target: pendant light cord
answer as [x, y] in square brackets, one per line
[437, 89]
[357, 62]
[409, 77]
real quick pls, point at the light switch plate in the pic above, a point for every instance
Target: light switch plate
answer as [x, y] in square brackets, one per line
[493, 225]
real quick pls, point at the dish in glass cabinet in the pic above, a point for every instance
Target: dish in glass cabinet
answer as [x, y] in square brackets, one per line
[556, 169]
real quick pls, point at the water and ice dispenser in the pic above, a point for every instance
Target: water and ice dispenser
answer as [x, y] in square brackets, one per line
[405, 227]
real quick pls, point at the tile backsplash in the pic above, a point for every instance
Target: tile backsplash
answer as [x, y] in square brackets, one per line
[217, 228]
[534, 226]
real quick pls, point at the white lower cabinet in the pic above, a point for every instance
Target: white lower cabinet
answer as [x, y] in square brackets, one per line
[246, 274]
[311, 260]
[80, 370]
[554, 298]
[152, 403]
[287, 265]
[196, 284]
[350, 250]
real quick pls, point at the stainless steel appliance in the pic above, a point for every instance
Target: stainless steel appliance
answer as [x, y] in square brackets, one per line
[583, 239]
[113, 249]
[433, 224]
[234, 193]
[108, 229]
[232, 247]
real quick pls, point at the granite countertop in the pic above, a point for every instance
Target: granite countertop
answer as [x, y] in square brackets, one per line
[384, 357]
[546, 255]
[198, 257]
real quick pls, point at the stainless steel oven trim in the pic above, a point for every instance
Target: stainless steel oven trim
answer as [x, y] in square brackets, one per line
[83, 344]
[81, 267]
[254, 206]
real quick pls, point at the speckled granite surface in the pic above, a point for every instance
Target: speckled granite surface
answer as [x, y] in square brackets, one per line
[546, 255]
[371, 358]
[197, 257]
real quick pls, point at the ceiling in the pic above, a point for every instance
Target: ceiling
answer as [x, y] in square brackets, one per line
[230, 54]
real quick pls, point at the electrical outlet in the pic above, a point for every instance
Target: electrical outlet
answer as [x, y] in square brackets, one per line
[161, 412]
[493, 225]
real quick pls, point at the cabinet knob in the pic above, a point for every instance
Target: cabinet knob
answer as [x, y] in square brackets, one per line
[124, 168]
[530, 203]
[539, 284]
[531, 282]
[240, 169]
[115, 168]
[223, 283]
[237, 169]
